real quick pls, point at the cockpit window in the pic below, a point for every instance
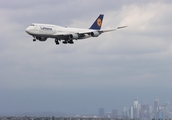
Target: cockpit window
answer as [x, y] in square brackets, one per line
[32, 25]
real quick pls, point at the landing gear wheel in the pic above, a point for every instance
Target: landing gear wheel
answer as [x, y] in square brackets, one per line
[70, 42]
[64, 42]
[57, 42]
[34, 39]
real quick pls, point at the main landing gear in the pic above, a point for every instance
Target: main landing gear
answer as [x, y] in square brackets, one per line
[64, 41]
[68, 42]
[57, 41]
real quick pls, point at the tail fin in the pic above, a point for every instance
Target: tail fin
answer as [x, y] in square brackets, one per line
[98, 23]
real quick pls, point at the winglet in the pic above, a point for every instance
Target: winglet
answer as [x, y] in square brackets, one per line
[121, 27]
[98, 23]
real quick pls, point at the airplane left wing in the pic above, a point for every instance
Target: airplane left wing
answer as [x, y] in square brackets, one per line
[111, 29]
[102, 30]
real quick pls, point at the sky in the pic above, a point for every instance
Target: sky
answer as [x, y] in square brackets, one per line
[108, 71]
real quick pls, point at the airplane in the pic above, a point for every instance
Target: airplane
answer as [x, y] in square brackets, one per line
[42, 32]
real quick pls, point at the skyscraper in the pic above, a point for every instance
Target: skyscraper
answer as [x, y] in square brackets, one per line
[150, 110]
[167, 109]
[124, 112]
[131, 112]
[135, 104]
[114, 113]
[156, 107]
[150, 115]
[136, 109]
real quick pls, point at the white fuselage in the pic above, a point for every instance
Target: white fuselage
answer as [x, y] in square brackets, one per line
[54, 31]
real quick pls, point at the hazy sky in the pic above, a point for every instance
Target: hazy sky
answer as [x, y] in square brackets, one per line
[109, 71]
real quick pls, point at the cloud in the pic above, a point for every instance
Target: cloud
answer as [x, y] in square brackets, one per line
[127, 44]
[139, 39]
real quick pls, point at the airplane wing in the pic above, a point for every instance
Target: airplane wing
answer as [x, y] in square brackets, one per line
[86, 33]
[111, 29]
[89, 31]
[102, 30]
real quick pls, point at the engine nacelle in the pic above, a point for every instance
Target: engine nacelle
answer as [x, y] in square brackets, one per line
[41, 38]
[95, 34]
[73, 36]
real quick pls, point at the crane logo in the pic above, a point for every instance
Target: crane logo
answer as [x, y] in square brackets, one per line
[99, 22]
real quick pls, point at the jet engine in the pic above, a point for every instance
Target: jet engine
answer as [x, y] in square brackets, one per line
[41, 38]
[95, 34]
[73, 36]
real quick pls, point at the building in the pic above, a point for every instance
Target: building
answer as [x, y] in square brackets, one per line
[156, 108]
[167, 109]
[101, 112]
[131, 112]
[135, 104]
[150, 113]
[124, 112]
[136, 108]
[114, 113]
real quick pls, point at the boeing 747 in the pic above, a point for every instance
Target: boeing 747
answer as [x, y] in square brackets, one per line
[42, 32]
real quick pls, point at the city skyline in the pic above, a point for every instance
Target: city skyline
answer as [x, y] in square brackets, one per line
[140, 111]
[102, 112]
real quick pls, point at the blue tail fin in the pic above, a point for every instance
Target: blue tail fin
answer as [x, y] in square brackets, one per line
[98, 23]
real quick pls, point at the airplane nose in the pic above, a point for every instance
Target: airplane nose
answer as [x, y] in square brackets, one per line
[27, 30]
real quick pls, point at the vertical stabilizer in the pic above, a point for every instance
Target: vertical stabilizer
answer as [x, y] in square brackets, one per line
[98, 23]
